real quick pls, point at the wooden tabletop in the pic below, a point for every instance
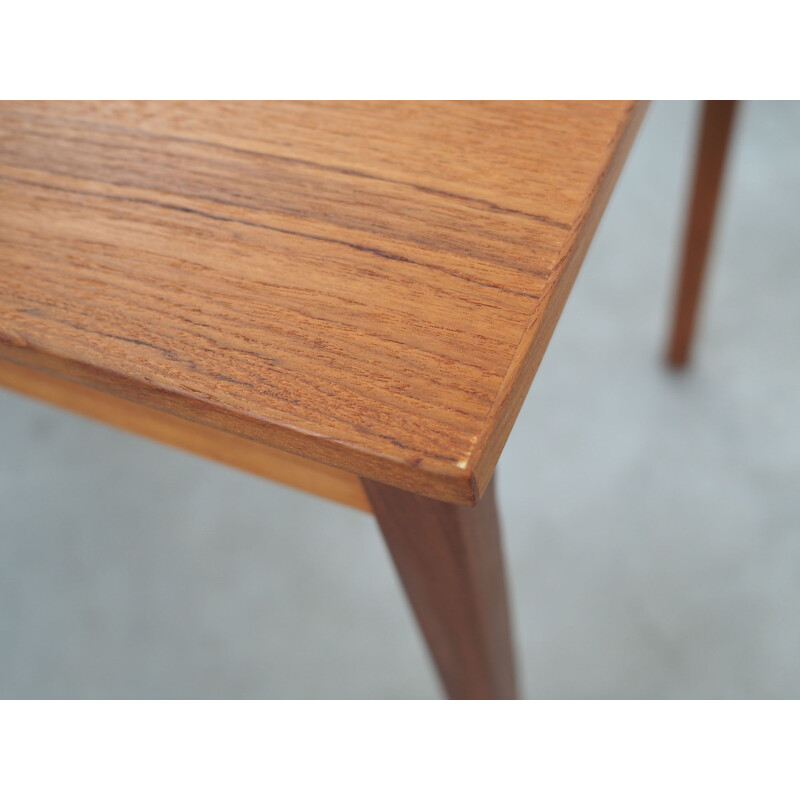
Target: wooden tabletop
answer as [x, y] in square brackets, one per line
[368, 285]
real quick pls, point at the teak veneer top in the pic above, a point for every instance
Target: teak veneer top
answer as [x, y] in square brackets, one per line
[369, 285]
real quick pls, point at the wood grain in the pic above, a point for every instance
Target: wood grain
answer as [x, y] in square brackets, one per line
[266, 462]
[715, 134]
[450, 561]
[367, 285]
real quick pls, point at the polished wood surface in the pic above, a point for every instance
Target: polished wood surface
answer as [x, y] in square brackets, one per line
[291, 470]
[451, 565]
[366, 285]
[717, 124]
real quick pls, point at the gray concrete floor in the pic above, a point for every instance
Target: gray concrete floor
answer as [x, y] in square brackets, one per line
[652, 520]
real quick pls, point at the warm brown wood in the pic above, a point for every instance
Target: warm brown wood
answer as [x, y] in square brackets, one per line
[451, 564]
[291, 470]
[709, 170]
[367, 285]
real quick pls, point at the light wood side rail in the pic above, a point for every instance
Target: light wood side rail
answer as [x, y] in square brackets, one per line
[235, 451]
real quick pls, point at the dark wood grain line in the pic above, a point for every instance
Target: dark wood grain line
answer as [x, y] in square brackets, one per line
[239, 221]
[307, 163]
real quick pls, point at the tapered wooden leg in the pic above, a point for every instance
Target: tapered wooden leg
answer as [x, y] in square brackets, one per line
[709, 168]
[451, 565]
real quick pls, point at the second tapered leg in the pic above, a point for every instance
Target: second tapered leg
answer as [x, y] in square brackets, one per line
[709, 168]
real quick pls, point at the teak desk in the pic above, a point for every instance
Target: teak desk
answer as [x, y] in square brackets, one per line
[350, 298]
